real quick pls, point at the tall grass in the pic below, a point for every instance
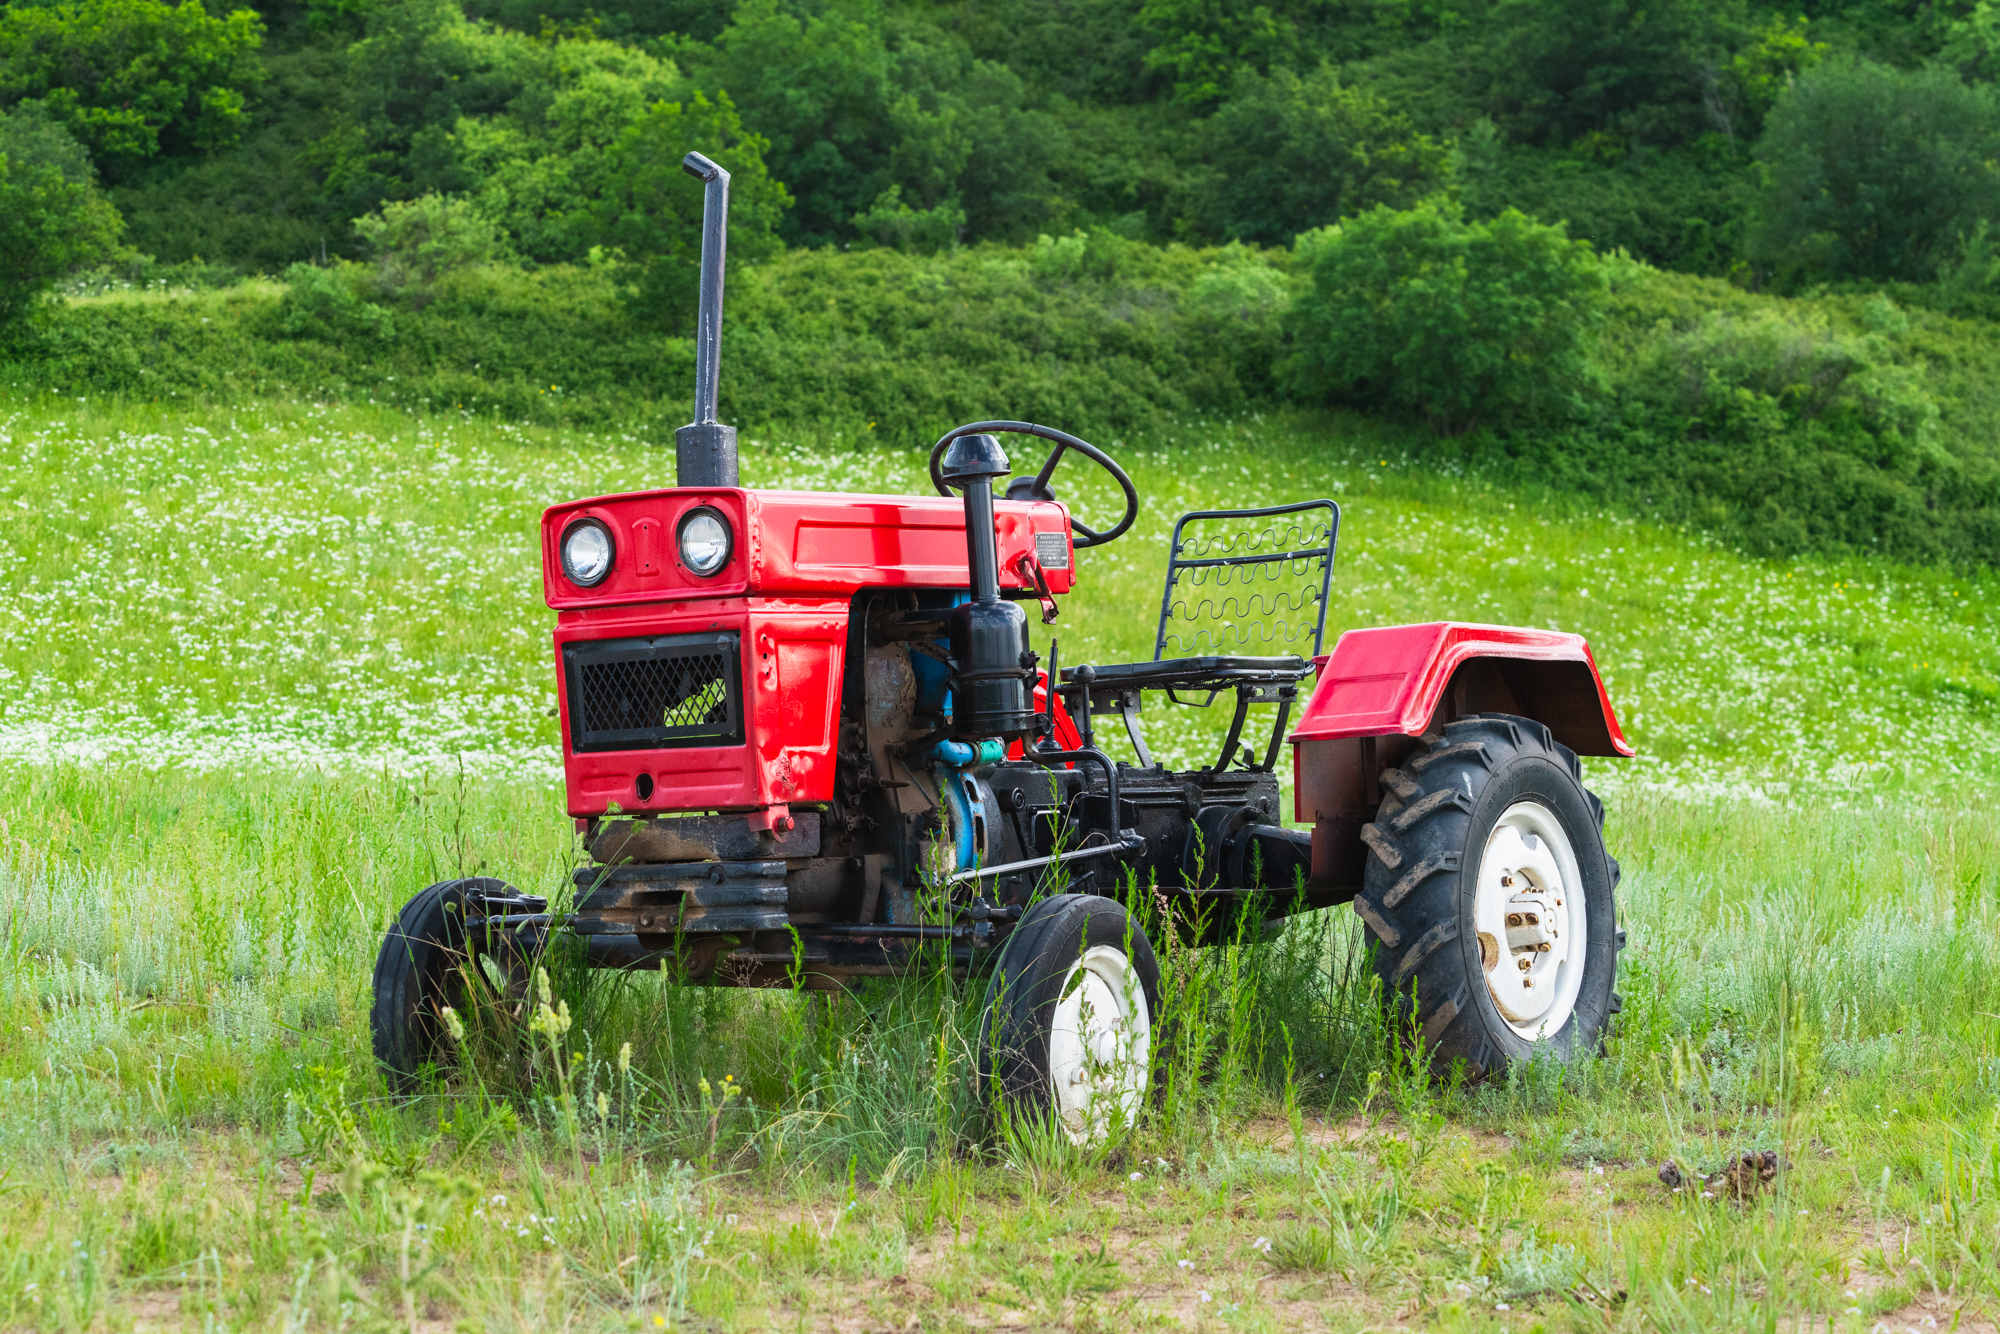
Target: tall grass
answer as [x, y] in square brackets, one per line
[195, 870]
[359, 588]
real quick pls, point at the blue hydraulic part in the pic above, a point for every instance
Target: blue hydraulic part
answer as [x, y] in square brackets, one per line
[933, 685]
[933, 677]
[954, 763]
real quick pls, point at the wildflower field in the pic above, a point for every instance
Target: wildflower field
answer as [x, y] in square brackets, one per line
[266, 671]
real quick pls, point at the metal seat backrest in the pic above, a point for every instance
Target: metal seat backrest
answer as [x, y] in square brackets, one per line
[1249, 583]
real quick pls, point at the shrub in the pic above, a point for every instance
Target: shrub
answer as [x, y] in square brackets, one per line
[419, 240]
[1875, 172]
[322, 303]
[1793, 432]
[1464, 323]
[1843, 424]
[52, 217]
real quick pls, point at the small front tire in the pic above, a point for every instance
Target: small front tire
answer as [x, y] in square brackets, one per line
[1070, 1015]
[419, 972]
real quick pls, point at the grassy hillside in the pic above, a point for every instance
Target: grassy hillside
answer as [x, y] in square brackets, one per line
[269, 670]
[290, 581]
[1840, 424]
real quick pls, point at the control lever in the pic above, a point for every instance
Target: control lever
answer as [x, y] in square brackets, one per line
[1029, 567]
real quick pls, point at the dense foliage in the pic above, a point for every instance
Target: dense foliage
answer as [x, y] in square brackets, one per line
[1841, 422]
[52, 217]
[1697, 136]
[1878, 173]
[1483, 217]
[1460, 322]
[133, 78]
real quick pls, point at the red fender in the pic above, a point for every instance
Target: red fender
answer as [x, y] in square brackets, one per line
[1382, 689]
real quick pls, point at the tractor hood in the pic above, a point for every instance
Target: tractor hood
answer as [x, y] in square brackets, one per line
[799, 543]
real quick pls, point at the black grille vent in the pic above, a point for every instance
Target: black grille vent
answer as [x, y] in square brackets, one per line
[648, 694]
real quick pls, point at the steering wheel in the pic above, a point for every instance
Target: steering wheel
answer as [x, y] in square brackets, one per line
[1038, 489]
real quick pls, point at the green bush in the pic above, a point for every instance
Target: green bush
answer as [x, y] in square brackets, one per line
[323, 303]
[1876, 173]
[417, 241]
[1462, 323]
[52, 218]
[1844, 424]
[257, 205]
[1785, 427]
[852, 99]
[1093, 331]
[891, 222]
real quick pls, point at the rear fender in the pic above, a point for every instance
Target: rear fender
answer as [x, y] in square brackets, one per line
[1381, 690]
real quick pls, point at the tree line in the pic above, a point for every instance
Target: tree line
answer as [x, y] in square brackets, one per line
[1852, 142]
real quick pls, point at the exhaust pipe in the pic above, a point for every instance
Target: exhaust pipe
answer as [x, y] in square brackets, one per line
[705, 450]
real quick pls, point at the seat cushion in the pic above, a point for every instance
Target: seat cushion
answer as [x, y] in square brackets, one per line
[1196, 672]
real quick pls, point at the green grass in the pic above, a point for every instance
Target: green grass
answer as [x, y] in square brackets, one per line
[356, 586]
[223, 778]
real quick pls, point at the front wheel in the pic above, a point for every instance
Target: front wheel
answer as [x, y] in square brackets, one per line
[1488, 892]
[1068, 1030]
[426, 966]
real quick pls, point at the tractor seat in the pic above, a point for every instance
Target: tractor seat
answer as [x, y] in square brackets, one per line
[1252, 578]
[1115, 689]
[1208, 673]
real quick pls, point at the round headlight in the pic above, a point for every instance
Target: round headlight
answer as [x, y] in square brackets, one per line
[587, 553]
[704, 537]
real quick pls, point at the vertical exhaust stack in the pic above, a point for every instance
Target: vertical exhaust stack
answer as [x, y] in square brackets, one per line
[989, 635]
[705, 450]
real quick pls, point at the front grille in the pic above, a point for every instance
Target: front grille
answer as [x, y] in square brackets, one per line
[649, 694]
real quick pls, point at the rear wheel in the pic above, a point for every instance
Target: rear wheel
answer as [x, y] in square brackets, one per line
[1488, 894]
[1068, 1030]
[424, 967]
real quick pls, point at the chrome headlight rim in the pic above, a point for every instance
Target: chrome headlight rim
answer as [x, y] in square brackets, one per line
[563, 553]
[728, 541]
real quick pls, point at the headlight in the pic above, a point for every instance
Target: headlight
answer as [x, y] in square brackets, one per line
[705, 542]
[587, 553]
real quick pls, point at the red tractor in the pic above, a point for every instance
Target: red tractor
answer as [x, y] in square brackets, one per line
[806, 739]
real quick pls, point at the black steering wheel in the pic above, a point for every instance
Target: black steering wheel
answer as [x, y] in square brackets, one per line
[1022, 488]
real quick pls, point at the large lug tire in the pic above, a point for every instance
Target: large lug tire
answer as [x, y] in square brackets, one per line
[421, 969]
[1489, 897]
[1070, 1017]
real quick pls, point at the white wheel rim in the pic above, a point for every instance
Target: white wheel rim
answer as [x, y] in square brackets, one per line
[1099, 1045]
[1529, 915]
